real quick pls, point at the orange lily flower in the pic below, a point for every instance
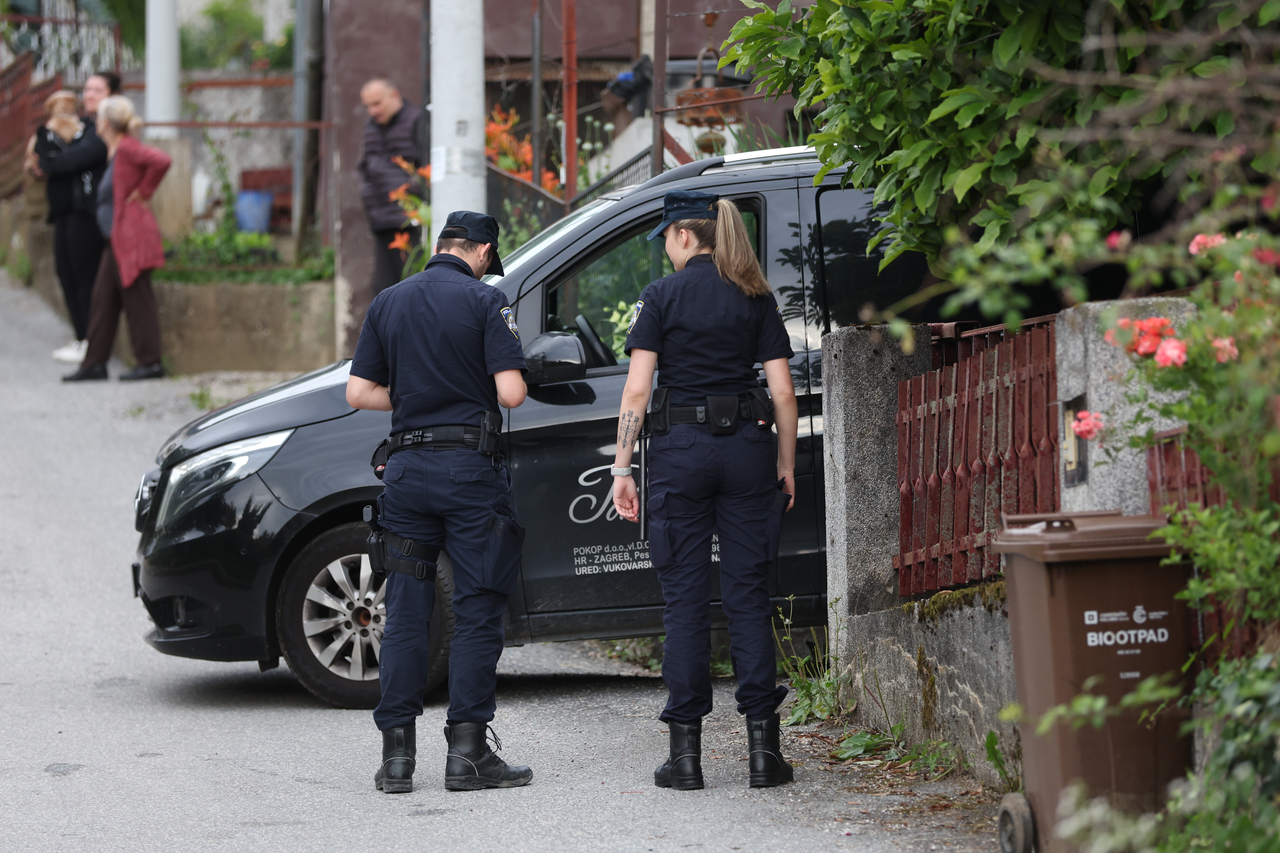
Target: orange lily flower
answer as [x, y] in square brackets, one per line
[425, 172]
[403, 164]
[401, 241]
[399, 193]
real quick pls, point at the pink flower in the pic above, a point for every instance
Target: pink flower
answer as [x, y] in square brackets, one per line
[1087, 425]
[1270, 257]
[1148, 344]
[1239, 277]
[1118, 240]
[1205, 241]
[1170, 352]
[1226, 348]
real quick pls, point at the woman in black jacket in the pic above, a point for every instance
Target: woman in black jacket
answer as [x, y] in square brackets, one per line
[72, 168]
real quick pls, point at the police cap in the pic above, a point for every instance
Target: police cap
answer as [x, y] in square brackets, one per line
[476, 227]
[682, 204]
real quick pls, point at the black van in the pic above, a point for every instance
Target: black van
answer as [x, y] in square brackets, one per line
[252, 539]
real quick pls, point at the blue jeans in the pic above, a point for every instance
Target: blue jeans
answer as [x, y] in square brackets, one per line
[454, 499]
[701, 484]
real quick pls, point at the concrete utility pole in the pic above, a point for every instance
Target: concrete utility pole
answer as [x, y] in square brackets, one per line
[457, 111]
[163, 67]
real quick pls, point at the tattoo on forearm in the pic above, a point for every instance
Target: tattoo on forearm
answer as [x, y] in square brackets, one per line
[628, 429]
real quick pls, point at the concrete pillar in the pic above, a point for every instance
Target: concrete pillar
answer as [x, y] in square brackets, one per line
[163, 70]
[1093, 375]
[646, 29]
[361, 45]
[457, 111]
[861, 369]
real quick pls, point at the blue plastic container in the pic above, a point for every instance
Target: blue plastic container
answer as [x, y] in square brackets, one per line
[253, 211]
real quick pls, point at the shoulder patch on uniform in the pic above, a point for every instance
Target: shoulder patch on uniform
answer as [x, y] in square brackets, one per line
[635, 316]
[510, 317]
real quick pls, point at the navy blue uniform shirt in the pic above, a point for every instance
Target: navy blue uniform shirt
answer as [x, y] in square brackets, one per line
[436, 339]
[707, 333]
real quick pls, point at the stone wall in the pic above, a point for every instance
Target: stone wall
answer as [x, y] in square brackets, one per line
[941, 668]
[204, 327]
[1094, 375]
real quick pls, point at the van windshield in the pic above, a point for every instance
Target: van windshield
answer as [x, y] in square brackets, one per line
[522, 255]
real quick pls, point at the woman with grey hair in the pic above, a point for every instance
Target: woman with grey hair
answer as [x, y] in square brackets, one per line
[133, 248]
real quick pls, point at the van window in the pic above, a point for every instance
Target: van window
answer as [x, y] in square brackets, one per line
[850, 278]
[606, 288]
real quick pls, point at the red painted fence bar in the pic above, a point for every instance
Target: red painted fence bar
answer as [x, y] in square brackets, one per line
[1177, 479]
[977, 436]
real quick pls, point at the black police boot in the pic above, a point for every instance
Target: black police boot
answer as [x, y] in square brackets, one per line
[89, 374]
[683, 768]
[768, 768]
[473, 766]
[399, 754]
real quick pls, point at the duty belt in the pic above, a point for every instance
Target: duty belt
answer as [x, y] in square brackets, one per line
[447, 436]
[700, 415]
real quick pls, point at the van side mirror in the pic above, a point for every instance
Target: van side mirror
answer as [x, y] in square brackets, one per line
[555, 357]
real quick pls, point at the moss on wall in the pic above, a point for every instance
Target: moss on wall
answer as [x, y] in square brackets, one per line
[991, 596]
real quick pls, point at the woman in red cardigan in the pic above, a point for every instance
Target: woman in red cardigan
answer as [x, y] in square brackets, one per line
[133, 248]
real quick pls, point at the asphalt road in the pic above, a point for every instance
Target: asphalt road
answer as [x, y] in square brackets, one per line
[108, 745]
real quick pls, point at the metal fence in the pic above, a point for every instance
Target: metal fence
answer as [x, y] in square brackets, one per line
[977, 437]
[21, 112]
[637, 170]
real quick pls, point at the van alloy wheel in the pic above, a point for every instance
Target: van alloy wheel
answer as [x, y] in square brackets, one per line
[331, 615]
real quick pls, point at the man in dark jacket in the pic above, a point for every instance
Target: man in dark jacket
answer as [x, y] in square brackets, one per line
[394, 129]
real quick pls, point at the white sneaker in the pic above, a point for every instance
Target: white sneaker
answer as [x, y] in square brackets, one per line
[72, 353]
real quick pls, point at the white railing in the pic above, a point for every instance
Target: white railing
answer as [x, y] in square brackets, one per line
[70, 46]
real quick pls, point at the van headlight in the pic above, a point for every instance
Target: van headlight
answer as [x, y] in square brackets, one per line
[195, 478]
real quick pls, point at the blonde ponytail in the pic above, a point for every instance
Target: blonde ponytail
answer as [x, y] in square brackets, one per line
[733, 255]
[121, 115]
[726, 236]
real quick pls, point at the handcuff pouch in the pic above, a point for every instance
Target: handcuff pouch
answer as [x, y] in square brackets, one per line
[723, 414]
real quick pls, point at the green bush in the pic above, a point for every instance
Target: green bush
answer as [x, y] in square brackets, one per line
[229, 30]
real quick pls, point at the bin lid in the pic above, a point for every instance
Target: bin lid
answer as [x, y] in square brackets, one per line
[1072, 537]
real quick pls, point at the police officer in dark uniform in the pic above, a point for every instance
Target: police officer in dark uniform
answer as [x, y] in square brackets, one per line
[713, 468]
[441, 352]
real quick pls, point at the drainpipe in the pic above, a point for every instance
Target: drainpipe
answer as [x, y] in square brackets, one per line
[457, 111]
[569, 54]
[535, 81]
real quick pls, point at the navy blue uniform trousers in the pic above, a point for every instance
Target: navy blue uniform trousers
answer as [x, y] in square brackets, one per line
[701, 484]
[451, 499]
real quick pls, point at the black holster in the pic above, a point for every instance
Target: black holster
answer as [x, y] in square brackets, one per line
[376, 546]
[490, 434]
[421, 559]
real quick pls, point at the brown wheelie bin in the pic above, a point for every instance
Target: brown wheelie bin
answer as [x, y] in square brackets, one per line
[1088, 598]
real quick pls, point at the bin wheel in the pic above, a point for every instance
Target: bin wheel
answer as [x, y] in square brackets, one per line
[1017, 828]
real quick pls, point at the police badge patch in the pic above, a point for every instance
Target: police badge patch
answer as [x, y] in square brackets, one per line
[510, 317]
[635, 316]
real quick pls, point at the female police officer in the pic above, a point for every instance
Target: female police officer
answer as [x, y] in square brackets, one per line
[712, 468]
